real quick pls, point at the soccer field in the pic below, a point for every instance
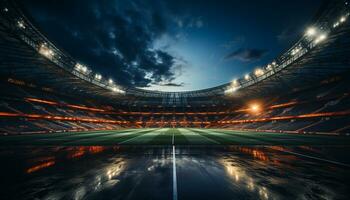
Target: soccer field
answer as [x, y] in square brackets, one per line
[172, 136]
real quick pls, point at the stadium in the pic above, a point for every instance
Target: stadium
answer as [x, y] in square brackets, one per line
[278, 132]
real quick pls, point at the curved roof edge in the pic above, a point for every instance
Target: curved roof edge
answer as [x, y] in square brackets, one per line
[328, 19]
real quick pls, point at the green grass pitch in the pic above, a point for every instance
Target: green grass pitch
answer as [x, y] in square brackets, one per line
[172, 136]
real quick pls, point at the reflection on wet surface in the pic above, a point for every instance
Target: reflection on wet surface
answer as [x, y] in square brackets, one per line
[232, 172]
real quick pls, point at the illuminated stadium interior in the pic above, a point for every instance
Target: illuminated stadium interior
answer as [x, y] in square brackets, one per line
[280, 131]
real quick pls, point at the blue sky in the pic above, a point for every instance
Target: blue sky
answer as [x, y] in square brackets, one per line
[173, 45]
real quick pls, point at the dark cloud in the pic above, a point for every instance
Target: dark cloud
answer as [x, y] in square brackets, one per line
[173, 84]
[140, 42]
[246, 55]
[114, 37]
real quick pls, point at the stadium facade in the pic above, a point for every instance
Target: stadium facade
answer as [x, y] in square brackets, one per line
[304, 90]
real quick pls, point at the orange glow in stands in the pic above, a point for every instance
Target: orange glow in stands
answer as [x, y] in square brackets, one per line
[43, 101]
[283, 105]
[60, 118]
[40, 166]
[67, 105]
[311, 115]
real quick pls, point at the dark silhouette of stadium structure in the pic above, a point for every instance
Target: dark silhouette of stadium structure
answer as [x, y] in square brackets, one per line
[304, 90]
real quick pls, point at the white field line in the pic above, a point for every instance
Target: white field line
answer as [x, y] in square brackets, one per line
[174, 176]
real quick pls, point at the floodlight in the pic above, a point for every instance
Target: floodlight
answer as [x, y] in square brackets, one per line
[258, 72]
[45, 51]
[255, 108]
[98, 76]
[235, 82]
[21, 24]
[311, 31]
[342, 19]
[320, 38]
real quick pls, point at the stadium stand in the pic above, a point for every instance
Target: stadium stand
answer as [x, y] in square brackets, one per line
[304, 90]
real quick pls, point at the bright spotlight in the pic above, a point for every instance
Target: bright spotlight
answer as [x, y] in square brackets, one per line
[342, 19]
[258, 72]
[115, 89]
[296, 50]
[247, 77]
[255, 108]
[81, 68]
[235, 82]
[311, 31]
[78, 66]
[84, 69]
[321, 38]
[98, 76]
[45, 51]
[231, 90]
[21, 24]
[110, 81]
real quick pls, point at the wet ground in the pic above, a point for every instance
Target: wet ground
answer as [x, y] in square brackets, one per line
[175, 172]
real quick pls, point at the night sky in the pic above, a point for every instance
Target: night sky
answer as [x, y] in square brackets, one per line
[173, 45]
